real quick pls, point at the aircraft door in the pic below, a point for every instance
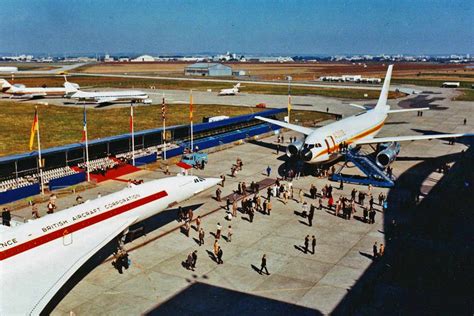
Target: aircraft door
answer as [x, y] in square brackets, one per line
[67, 238]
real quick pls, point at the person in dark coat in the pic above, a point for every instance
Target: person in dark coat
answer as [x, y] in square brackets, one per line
[263, 265]
[219, 256]
[6, 217]
[306, 244]
[311, 214]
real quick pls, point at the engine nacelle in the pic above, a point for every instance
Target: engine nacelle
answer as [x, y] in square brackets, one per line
[388, 154]
[293, 149]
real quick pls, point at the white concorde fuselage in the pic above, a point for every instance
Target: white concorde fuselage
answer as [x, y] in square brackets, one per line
[138, 202]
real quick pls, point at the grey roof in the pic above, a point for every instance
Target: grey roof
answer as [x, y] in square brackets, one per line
[207, 66]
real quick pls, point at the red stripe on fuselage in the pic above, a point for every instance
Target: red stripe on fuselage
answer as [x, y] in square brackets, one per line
[78, 226]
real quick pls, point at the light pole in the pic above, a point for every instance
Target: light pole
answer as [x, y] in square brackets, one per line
[289, 78]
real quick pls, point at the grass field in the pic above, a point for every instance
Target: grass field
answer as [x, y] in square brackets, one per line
[116, 82]
[61, 125]
[429, 83]
[466, 95]
[30, 66]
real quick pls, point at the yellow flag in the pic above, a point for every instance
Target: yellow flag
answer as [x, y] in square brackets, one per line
[34, 128]
[191, 105]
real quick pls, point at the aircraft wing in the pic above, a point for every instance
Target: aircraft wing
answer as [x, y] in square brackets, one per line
[297, 128]
[32, 278]
[408, 138]
[105, 100]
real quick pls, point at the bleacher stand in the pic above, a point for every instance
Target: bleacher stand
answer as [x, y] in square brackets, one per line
[48, 175]
[100, 165]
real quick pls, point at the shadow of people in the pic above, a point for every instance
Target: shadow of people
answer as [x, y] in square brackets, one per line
[255, 268]
[211, 255]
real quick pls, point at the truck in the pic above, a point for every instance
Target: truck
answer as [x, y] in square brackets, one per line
[194, 159]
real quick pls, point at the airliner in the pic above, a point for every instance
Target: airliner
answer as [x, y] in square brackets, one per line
[23, 92]
[323, 144]
[232, 91]
[105, 97]
[38, 257]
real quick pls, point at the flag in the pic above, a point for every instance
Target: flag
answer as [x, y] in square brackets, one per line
[163, 110]
[84, 128]
[34, 128]
[191, 106]
[131, 117]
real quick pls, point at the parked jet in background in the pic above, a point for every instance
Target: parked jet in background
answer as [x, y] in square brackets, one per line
[23, 92]
[37, 258]
[323, 144]
[233, 91]
[8, 69]
[105, 97]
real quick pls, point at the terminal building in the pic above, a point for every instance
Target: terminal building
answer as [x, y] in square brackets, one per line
[64, 166]
[208, 70]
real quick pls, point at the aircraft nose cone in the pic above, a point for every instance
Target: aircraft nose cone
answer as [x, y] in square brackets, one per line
[306, 155]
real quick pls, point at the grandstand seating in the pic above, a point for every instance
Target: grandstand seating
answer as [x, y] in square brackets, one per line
[99, 164]
[48, 175]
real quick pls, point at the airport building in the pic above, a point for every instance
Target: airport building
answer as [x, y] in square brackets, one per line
[208, 69]
[144, 58]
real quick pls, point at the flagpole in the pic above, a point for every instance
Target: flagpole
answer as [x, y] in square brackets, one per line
[191, 118]
[163, 116]
[39, 153]
[133, 134]
[87, 145]
[289, 97]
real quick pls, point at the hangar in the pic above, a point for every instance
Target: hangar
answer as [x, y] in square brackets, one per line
[208, 69]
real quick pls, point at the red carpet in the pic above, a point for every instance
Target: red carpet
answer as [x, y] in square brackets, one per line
[114, 173]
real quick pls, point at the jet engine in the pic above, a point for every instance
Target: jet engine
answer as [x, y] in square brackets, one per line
[294, 148]
[387, 154]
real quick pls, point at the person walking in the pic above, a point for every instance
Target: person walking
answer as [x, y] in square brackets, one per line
[301, 196]
[218, 194]
[198, 223]
[251, 214]
[220, 253]
[218, 231]
[234, 208]
[320, 202]
[311, 214]
[269, 207]
[229, 234]
[222, 180]
[375, 250]
[201, 236]
[306, 244]
[194, 259]
[313, 244]
[216, 247]
[381, 250]
[269, 170]
[263, 265]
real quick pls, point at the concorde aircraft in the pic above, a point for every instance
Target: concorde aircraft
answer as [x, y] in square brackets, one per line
[232, 91]
[37, 258]
[105, 97]
[23, 92]
[322, 144]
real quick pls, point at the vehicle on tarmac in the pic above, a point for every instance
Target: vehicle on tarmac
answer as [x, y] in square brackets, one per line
[195, 159]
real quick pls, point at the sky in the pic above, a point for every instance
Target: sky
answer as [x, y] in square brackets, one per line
[253, 27]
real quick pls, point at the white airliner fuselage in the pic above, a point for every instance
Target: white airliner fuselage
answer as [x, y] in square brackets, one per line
[108, 96]
[323, 144]
[38, 257]
[21, 91]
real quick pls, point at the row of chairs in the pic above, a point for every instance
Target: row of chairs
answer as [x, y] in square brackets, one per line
[99, 164]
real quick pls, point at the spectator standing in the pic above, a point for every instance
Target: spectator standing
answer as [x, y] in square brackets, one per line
[34, 211]
[201, 236]
[218, 195]
[220, 253]
[263, 265]
[222, 180]
[311, 214]
[229, 234]
[306, 244]
[375, 250]
[51, 207]
[194, 259]
[313, 244]
[269, 170]
[381, 250]
[218, 231]
[198, 223]
[6, 217]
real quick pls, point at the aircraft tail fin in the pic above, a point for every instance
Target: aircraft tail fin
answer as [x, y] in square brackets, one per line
[71, 87]
[4, 85]
[382, 102]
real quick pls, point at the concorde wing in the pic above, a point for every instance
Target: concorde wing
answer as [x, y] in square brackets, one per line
[297, 128]
[407, 138]
[30, 279]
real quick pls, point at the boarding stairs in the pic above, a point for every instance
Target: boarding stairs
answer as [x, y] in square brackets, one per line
[374, 175]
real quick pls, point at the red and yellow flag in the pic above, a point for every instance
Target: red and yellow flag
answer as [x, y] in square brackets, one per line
[191, 105]
[34, 128]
